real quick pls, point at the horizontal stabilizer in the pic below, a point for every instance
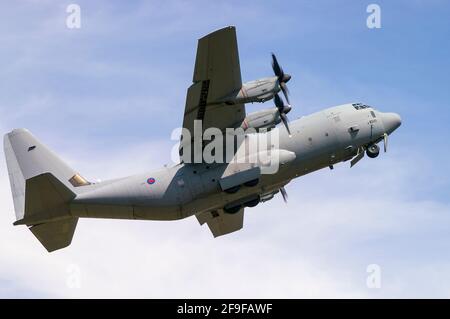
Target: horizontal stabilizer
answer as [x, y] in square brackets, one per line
[57, 234]
[47, 211]
[46, 199]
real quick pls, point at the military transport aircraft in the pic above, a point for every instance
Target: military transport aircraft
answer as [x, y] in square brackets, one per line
[49, 196]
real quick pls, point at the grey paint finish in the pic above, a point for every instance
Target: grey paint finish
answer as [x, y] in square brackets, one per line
[317, 140]
[49, 196]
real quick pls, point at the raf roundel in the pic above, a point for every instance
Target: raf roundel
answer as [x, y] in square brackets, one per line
[151, 181]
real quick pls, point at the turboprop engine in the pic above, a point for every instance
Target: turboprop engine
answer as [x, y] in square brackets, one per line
[264, 119]
[261, 90]
[255, 91]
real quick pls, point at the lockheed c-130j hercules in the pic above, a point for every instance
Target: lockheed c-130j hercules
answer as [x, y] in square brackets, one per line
[49, 196]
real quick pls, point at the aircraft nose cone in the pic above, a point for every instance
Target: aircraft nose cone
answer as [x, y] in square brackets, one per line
[391, 122]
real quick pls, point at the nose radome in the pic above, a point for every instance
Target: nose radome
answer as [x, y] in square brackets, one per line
[391, 122]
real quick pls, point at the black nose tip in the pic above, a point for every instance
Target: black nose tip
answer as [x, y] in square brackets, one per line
[286, 78]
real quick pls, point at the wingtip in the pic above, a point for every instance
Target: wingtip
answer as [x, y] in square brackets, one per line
[223, 29]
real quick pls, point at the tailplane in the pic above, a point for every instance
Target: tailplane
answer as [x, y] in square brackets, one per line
[42, 186]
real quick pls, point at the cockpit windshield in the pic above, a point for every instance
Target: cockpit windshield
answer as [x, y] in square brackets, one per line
[360, 106]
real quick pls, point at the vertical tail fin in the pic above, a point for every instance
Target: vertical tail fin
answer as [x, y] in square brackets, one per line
[42, 186]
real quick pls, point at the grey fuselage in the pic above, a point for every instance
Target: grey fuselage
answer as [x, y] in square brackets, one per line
[318, 140]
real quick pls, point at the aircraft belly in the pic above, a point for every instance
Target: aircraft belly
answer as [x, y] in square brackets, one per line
[214, 198]
[126, 212]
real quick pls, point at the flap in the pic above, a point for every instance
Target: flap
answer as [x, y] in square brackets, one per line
[221, 223]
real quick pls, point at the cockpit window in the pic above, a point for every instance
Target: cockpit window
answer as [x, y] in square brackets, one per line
[373, 114]
[360, 106]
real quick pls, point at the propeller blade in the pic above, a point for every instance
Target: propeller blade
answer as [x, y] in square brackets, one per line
[278, 103]
[285, 90]
[358, 157]
[284, 194]
[282, 110]
[277, 68]
[285, 121]
[385, 140]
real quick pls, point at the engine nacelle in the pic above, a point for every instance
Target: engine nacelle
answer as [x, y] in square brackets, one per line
[266, 119]
[254, 91]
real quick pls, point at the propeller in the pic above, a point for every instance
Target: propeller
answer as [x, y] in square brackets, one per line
[283, 110]
[284, 194]
[283, 78]
[385, 141]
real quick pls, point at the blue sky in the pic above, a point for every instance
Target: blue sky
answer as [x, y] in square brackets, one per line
[107, 97]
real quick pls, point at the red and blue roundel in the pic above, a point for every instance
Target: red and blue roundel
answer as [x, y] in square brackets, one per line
[151, 180]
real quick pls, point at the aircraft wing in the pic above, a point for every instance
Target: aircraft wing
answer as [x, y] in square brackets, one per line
[217, 74]
[221, 223]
